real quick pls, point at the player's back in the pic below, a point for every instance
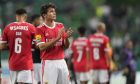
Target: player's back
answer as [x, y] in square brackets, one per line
[97, 45]
[79, 48]
[19, 36]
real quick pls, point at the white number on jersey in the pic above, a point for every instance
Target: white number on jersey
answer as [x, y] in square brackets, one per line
[18, 42]
[96, 55]
[80, 53]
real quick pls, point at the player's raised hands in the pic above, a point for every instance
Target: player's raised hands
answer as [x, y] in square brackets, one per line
[60, 32]
[69, 32]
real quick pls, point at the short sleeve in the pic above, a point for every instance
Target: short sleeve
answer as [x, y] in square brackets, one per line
[33, 31]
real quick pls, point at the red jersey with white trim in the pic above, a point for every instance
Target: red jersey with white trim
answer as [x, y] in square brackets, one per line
[97, 45]
[19, 36]
[79, 48]
[45, 34]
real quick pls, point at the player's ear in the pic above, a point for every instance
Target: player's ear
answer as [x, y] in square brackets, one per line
[25, 16]
[44, 15]
[16, 17]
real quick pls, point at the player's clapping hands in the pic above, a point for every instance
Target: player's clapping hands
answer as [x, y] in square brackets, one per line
[60, 32]
[69, 32]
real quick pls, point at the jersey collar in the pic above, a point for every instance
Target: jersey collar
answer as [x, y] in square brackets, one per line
[54, 23]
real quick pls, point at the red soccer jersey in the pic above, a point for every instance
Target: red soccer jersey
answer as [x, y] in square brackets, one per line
[19, 36]
[79, 48]
[45, 34]
[98, 46]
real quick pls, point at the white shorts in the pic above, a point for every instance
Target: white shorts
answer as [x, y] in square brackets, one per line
[37, 72]
[24, 76]
[55, 72]
[83, 76]
[100, 76]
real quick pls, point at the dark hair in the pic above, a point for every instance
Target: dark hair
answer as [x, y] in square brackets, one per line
[44, 8]
[21, 11]
[82, 30]
[33, 17]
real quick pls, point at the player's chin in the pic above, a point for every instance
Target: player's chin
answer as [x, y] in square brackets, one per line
[54, 18]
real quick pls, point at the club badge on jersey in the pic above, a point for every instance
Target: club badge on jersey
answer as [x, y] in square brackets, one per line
[38, 38]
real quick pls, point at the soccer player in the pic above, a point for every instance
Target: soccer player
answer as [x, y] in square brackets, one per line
[99, 54]
[36, 21]
[18, 36]
[52, 39]
[80, 57]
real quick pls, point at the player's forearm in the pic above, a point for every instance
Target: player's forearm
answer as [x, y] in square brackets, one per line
[68, 34]
[88, 56]
[45, 46]
[3, 46]
[66, 43]
[108, 58]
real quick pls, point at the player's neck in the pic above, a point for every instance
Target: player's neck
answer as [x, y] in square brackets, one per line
[81, 35]
[20, 20]
[50, 23]
[99, 33]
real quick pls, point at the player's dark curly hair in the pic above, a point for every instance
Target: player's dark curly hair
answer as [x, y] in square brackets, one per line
[81, 30]
[44, 8]
[33, 17]
[21, 11]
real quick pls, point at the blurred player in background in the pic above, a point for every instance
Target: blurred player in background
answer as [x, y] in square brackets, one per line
[100, 59]
[80, 57]
[128, 63]
[17, 37]
[52, 39]
[36, 21]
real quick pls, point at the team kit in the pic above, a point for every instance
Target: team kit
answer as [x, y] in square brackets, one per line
[37, 50]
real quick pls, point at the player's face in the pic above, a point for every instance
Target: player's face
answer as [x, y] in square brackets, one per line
[130, 45]
[38, 21]
[51, 14]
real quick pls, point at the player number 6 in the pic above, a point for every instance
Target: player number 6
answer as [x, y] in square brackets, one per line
[18, 42]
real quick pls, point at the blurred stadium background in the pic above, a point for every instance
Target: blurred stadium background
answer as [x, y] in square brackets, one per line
[122, 18]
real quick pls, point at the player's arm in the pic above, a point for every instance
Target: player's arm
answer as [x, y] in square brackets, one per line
[3, 46]
[107, 50]
[108, 54]
[66, 41]
[46, 45]
[88, 59]
[88, 55]
[4, 40]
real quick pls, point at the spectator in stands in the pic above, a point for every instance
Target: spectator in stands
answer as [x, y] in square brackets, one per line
[128, 63]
